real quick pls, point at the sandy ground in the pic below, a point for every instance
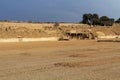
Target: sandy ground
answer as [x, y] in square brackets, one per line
[72, 60]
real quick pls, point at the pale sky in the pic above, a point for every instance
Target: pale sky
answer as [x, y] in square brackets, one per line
[57, 10]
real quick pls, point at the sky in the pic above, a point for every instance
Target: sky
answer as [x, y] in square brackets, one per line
[57, 10]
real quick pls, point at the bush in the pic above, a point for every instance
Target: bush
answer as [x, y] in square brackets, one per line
[56, 24]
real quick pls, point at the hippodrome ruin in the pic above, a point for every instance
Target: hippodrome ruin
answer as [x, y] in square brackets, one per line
[70, 51]
[17, 32]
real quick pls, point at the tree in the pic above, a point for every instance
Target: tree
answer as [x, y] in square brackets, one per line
[95, 19]
[92, 19]
[117, 21]
[87, 18]
[104, 18]
[106, 21]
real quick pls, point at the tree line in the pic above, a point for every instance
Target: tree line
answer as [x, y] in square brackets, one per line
[94, 19]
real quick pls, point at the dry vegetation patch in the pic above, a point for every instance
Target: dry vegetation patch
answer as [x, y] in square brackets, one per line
[89, 63]
[78, 55]
[25, 54]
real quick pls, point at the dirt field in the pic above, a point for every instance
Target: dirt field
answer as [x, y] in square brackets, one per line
[72, 60]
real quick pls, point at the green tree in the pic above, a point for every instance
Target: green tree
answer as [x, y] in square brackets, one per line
[117, 21]
[87, 18]
[104, 18]
[106, 21]
[95, 19]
